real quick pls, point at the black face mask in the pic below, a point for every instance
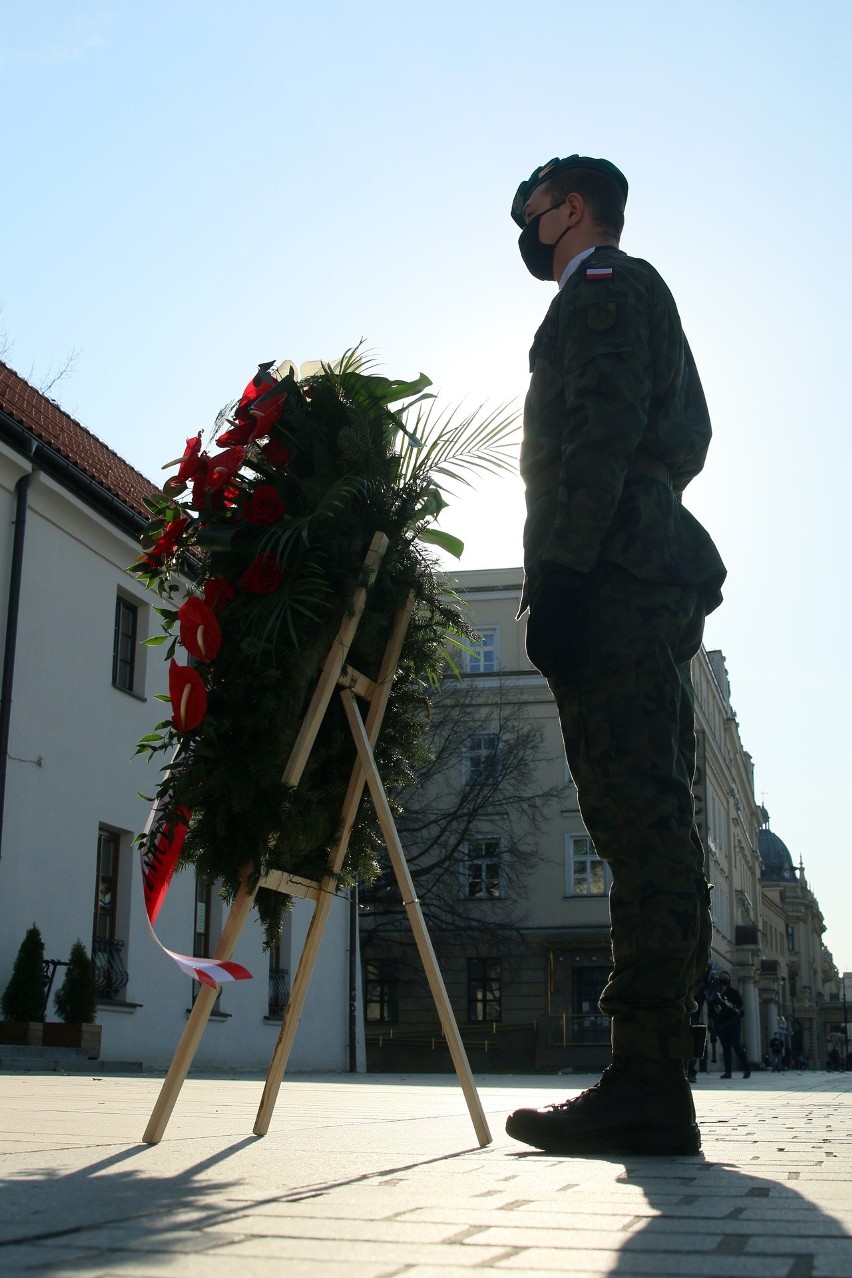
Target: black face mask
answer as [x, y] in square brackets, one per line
[538, 257]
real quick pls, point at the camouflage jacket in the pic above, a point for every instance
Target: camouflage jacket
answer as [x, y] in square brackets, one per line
[615, 403]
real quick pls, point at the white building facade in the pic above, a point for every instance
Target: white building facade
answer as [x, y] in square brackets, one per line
[79, 690]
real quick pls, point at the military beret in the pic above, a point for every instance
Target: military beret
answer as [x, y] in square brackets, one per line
[547, 171]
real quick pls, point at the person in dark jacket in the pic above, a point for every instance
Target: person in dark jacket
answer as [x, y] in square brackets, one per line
[726, 1008]
[618, 579]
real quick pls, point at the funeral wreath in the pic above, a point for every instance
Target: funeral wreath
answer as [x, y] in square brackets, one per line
[256, 547]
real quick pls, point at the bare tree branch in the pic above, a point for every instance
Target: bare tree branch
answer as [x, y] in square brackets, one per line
[50, 379]
[464, 796]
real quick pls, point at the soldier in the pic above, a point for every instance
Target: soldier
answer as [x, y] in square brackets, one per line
[618, 580]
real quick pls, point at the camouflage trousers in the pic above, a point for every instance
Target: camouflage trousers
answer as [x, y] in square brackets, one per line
[627, 715]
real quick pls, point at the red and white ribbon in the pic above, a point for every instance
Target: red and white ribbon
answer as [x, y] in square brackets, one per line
[158, 866]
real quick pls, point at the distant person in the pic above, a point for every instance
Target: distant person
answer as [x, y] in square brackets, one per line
[618, 578]
[776, 1051]
[726, 1008]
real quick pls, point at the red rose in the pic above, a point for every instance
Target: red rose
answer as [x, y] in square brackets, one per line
[265, 506]
[276, 452]
[199, 629]
[223, 468]
[188, 696]
[218, 593]
[263, 576]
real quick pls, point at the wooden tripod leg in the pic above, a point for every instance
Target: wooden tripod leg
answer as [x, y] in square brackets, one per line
[418, 925]
[206, 998]
[197, 1022]
[310, 950]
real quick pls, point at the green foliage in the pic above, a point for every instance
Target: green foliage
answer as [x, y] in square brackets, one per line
[336, 463]
[76, 1000]
[23, 998]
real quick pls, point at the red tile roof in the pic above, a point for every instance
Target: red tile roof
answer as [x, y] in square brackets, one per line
[47, 422]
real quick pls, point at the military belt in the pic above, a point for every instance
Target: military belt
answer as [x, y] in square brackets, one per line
[640, 464]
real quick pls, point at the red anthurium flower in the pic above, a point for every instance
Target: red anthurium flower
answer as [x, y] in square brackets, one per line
[223, 468]
[241, 433]
[265, 506]
[218, 593]
[188, 696]
[259, 385]
[269, 409]
[166, 543]
[199, 629]
[263, 576]
[159, 868]
[276, 452]
[191, 460]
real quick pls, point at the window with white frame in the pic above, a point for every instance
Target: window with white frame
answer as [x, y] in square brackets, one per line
[480, 753]
[484, 658]
[484, 868]
[585, 873]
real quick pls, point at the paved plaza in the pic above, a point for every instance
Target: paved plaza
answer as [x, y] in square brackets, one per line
[381, 1175]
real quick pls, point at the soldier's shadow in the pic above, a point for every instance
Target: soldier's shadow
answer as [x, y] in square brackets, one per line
[702, 1210]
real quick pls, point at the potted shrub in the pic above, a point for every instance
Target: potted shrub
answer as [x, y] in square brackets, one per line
[23, 999]
[76, 1002]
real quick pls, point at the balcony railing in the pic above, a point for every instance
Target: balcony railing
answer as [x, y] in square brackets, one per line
[111, 975]
[566, 1031]
[279, 991]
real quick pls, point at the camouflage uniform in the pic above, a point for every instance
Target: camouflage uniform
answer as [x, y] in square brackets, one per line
[615, 427]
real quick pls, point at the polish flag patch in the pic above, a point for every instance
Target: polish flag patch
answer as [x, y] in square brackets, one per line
[598, 272]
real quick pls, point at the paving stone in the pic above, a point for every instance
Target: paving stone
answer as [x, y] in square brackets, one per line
[381, 1177]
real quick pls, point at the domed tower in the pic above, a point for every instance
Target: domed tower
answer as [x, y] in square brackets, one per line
[776, 863]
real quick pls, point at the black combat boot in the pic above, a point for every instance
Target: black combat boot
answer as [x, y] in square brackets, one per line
[638, 1107]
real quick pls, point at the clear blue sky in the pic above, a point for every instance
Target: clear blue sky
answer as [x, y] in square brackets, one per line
[191, 188]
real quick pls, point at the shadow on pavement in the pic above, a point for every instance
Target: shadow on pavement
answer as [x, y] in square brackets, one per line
[712, 1209]
[50, 1206]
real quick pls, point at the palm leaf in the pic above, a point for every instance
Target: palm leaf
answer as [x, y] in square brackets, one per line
[456, 446]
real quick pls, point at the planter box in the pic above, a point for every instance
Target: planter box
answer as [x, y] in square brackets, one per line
[21, 1033]
[74, 1034]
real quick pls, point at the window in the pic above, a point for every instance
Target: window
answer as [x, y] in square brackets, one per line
[381, 992]
[484, 993]
[791, 938]
[107, 885]
[479, 755]
[484, 659]
[585, 873]
[588, 1025]
[124, 644]
[110, 972]
[483, 877]
[201, 930]
[279, 991]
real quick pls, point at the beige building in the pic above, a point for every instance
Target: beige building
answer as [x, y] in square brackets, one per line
[728, 820]
[525, 952]
[801, 985]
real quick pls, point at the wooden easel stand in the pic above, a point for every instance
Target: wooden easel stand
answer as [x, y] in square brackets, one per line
[365, 734]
